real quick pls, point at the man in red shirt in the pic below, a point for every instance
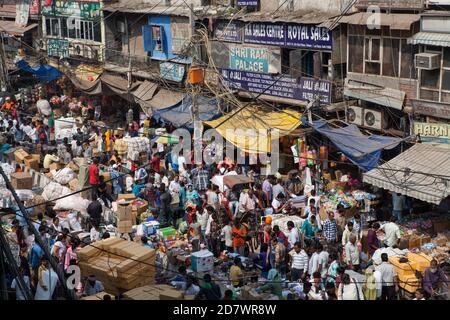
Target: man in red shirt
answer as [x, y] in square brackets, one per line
[93, 178]
[155, 162]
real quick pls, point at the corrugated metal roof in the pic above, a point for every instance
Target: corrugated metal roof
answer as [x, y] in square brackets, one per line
[431, 39]
[12, 28]
[426, 162]
[396, 21]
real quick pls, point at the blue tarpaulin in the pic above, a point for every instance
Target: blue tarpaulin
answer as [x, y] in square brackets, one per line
[44, 72]
[180, 114]
[362, 150]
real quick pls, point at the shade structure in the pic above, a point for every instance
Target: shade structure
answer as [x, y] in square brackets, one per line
[362, 150]
[421, 172]
[253, 128]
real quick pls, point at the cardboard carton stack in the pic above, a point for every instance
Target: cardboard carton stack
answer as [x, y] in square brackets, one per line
[20, 155]
[119, 264]
[154, 292]
[32, 161]
[22, 180]
[124, 217]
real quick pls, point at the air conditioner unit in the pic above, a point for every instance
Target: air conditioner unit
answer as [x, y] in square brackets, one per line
[427, 61]
[355, 115]
[372, 119]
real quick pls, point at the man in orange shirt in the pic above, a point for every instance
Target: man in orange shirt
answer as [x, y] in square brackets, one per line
[239, 236]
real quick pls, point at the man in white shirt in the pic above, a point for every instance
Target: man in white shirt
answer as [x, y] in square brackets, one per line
[49, 159]
[227, 234]
[247, 201]
[293, 236]
[313, 262]
[181, 164]
[392, 232]
[352, 253]
[323, 262]
[299, 260]
[388, 278]
[202, 218]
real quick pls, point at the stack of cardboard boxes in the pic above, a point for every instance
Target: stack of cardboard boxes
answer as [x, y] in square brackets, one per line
[124, 217]
[22, 180]
[119, 264]
[154, 292]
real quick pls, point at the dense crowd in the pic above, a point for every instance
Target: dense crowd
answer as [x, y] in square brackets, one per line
[321, 259]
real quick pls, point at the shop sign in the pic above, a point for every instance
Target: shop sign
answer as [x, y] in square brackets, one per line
[228, 31]
[58, 48]
[289, 35]
[248, 3]
[172, 71]
[432, 109]
[249, 59]
[433, 132]
[83, 9]
[305, 89]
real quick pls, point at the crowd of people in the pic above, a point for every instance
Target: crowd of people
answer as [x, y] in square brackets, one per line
[321, 257]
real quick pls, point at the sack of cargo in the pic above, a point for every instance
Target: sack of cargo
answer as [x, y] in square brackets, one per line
[54, 191]
[64, 176]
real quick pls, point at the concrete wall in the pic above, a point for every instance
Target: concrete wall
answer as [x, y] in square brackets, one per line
[196, 3]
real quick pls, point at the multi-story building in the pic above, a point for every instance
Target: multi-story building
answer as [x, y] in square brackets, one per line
[73, 30]
[431, 108]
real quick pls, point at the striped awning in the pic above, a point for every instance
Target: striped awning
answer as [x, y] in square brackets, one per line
[431, 39]
[421, 172]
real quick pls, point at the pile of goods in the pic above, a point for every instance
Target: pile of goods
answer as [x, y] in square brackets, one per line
[119, 264]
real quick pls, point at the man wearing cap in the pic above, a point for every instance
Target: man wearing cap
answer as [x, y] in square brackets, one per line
[93, 286]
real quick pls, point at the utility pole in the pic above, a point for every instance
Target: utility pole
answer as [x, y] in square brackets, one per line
[3, 286]
[68, 292]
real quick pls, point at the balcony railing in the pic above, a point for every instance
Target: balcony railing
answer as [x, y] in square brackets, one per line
[120, 59]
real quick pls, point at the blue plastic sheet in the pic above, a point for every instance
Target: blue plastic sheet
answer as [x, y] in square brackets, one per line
[44, 72]
[364, 151]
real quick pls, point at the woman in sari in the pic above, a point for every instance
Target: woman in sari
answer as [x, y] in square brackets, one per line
[192, 196]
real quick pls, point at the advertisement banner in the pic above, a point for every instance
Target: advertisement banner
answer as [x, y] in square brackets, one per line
[305, 89]
[265, 33]
[22, 12]
[58, 48]
[87, 10]
[289, 35]
[249, 59]
[308, 37]
[228, 31]
[172, 71]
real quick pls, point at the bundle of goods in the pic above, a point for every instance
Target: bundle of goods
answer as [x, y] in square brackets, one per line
[281, 221]
[119, 264]
[150, 228]
[74, 203]
[64, 176]
[412, 239]
[54, 191]
[21, 180]
[167, 234]
[97, 296]
[139, 206]
[154, 292]
[65, 128]
[136, 145]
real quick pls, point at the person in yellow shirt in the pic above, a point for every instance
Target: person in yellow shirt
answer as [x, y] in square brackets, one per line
[236, 274]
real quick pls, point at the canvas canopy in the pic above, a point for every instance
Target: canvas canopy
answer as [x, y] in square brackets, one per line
[253, 128]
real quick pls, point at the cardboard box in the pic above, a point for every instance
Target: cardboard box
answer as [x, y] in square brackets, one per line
[31, 163]
[414, 241]
[20, 155]
[140, 207]
[36, 157]
[202, 261]
[127, 196]
[22, 180]
[442, 225]
[168, 293]
[124, 212]
[57, 166]
[124, 226]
